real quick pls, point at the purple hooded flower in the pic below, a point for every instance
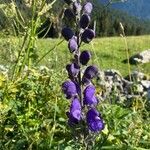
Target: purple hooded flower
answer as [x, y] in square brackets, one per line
[88, 35]
[77, 7]
[69, 14]
[90, 72]
[89, 96]
[72, 45]
[67, 33]
[85, 57]
[69, 88]
[85, 21]
[73, 70]
[94, 121]
[75, 113]
[87, 8]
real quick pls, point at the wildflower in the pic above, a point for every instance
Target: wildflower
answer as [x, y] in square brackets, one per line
[90, 72]
[67, 33]
[85, 21]
[87, 8]
[88, 35]
[94, 121]
[73, 70]
[85, 57]
[72, 45]
[69, 14]
[69, 89]
[89, 96]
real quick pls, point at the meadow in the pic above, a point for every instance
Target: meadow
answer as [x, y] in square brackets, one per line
[32, 107]
[109, 52]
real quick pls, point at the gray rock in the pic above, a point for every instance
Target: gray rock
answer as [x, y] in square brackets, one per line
[145, 84]
[143, 57]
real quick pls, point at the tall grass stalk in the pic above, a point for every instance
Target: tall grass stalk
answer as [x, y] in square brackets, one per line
[126, 49]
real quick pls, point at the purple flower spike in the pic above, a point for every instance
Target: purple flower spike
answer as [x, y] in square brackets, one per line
[67, 33]
[87, 8]
[89, 96]
[85, 57]
[95, 123]
[72, 45]
[88, 35]
[73, 70]
[85, 21]
[77, 7]
[90, 72]
[68, 14]
[69, 89]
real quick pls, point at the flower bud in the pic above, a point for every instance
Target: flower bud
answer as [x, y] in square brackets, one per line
[85, 21]
[67, 33]
[90, 72]
[87, 8]
[85, 57]
[72, 45]
[69, 14]
[88, 35]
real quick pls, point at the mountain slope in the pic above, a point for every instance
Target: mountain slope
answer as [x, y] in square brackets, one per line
[138, 8]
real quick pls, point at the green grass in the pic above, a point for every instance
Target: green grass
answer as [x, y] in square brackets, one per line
[107, 52]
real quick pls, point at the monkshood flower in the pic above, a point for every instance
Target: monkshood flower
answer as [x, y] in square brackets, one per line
[69, 14]
[85, 57]
[73, 70]
[95, 123]
[85, 21]
[90, 72]
[87, 8]
[80, 89]
[69, 88]
[67, 33]
[88, 35]
[89, 96]
[75, 113]
[72, 44]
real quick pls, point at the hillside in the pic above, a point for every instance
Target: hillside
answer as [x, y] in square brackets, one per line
[138, 8]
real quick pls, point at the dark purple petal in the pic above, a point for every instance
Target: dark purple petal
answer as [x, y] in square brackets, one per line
[69, 14]
[72, 45]
[89, 96]
[73, 70]
[67, 33]
[85, 21]
[69, 89]
[77, 7]
[90, 72]
[95, 123]
[85, 57]
[88, 35]
[87, 8]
